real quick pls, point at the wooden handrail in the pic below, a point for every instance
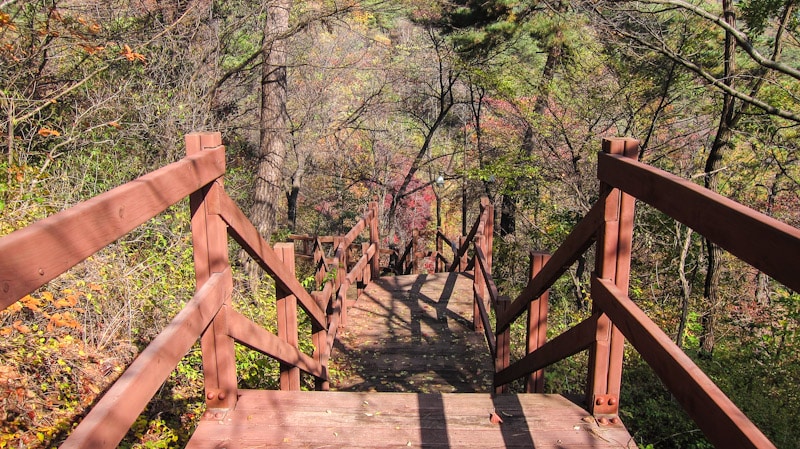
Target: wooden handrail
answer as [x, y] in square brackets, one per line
[109, 420]
[46, 249]
[578, 338]
[255, 337]
[482, 265]
[462, 250]
[76, 233]
[771, 245]
[242, 230]
[576, 243]
[719, 418]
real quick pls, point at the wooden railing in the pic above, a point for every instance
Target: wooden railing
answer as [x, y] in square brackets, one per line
[48, 248]
[765, 243]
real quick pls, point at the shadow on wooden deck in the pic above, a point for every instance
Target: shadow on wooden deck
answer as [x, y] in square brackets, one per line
[413, 334]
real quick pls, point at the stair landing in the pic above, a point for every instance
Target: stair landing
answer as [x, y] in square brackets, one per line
[298, 419]
[417, 376]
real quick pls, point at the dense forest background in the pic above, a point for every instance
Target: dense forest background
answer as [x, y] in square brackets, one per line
[327, 105]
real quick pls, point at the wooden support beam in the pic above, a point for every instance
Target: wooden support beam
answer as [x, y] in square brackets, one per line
[286, 307]
[259, 339]
[210, 244]
[719, 418]
[537, 324]
[243, 231]
[762, 241]
[573, 341]
[613, 261]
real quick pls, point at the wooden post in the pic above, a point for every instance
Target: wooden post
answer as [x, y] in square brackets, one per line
[479, 287]
[287, 318]
[375, 239]
[488, 231]
[462, 263]
[319, 264]
[503, 353]
[415, 251]
[363, 278]
[319, 336]
[341, 274]
[210, 244]
[613, 262]
[537, 324]
[437, 264]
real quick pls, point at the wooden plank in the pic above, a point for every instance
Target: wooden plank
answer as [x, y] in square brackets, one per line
[578, 241]
[409, 333]
[760, 240]
[38, 253]
[716, 415]
[243, 231]
[109, 420]
[573, 341]
[398, 420]
[259, 339]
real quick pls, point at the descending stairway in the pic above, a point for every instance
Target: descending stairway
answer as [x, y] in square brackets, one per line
[419, 377]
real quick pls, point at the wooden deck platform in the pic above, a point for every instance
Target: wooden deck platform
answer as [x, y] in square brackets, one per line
[301, 419]
[417, 376]
[413, 334]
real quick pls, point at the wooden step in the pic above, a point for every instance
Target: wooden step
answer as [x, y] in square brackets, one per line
[265, 419]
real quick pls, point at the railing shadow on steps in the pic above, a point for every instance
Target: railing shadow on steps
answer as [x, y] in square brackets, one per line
[44, 250]
[761, 241]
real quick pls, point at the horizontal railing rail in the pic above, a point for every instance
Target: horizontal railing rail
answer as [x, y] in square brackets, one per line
[50, 247]
[770, 246]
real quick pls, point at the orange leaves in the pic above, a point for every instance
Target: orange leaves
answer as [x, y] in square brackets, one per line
[114, 125]
[62, 320]
[39, 306]
[32, 303]
[21, 328]
[92, 49]
[47, 132]
[130, 55]
[5, 21]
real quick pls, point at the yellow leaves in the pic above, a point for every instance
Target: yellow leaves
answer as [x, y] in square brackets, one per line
[130, 55]
[47, 132]
[5, 21]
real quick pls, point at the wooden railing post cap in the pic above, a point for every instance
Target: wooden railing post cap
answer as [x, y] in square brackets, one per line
[626, 146]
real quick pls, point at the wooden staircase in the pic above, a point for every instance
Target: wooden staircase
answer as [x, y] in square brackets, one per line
[423, 374]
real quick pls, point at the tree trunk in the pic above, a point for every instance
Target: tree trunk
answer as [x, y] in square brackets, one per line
[273, 131]
[686, 286]
[713, 164]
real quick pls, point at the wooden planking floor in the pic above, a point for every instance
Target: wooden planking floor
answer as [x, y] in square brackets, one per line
[413, 334]
[265, 419]
[418, 377]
